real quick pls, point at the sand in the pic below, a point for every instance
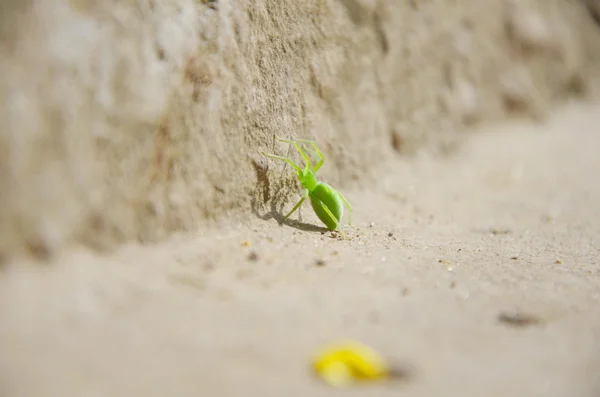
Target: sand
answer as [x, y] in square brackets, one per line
[443, 255]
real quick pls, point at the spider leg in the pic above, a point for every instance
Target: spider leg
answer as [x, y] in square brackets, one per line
[302, 153]
[287, 160]
[349, 208]
[317, 150]
[298, 204]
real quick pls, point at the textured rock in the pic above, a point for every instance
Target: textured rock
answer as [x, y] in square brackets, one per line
[131, 120]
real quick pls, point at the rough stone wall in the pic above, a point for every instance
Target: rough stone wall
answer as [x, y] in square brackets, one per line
[133, 119]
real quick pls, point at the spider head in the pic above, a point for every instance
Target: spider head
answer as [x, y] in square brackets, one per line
[308, 179]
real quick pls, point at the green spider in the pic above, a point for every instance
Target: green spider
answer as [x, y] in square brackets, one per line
[327, 202]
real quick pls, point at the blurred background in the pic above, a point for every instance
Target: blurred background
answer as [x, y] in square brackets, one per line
[131, 174]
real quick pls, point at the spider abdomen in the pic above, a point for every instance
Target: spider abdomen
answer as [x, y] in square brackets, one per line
[324, 196]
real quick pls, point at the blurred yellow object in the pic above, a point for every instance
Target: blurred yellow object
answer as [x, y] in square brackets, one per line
[347, 362]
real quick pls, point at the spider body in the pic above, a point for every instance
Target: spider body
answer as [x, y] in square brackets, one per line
[327, 202]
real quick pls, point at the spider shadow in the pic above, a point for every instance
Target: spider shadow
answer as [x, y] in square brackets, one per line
[307, 227]
[267, 201]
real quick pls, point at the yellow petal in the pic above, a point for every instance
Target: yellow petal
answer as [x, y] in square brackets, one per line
[337, 374]
[349, 361]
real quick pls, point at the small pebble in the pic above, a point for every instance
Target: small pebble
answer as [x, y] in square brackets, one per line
[390, 234]
[497, 232]
[253, 256]
[320, 262]
[518, 319]
[558, 261]
[397, 141]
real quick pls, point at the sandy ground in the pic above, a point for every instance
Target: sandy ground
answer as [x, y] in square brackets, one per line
[440, 251]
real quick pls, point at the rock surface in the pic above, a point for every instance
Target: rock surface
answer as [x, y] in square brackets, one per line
[132, 120]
